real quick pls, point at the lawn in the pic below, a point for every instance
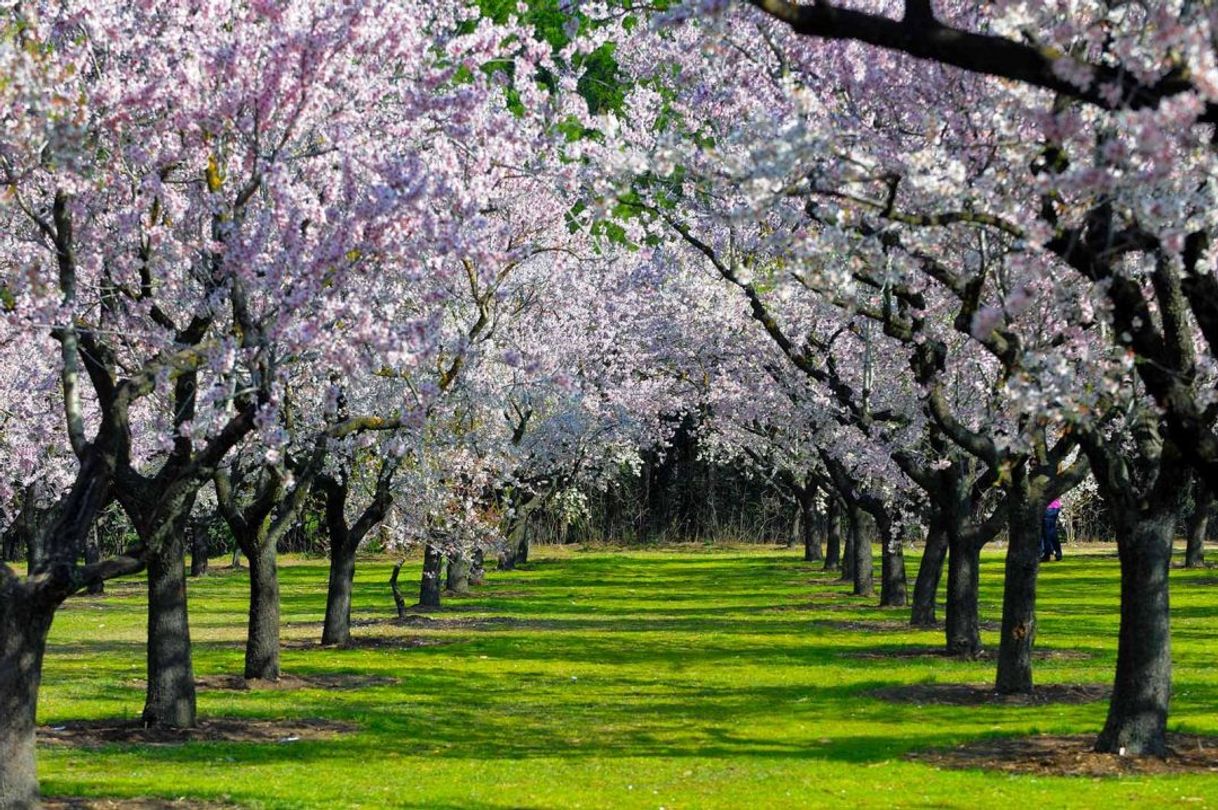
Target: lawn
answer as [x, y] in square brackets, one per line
[675, 679]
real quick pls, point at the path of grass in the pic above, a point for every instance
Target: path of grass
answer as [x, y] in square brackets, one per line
[645, 679]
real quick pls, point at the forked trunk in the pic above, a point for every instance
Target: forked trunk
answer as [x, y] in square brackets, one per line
[962, 623]
[262, 644]
[23, 639]
[170, 700]
[337, 626]
[930, 571]
[1019, 592]
[1137, 713]
[429, 586]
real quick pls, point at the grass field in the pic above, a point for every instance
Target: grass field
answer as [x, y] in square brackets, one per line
[676, 679]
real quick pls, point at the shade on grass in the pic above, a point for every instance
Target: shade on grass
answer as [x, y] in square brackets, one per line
[645, 679]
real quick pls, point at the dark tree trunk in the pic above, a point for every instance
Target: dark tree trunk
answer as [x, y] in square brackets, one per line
[807, 524]
[1198, 522]
[236, 563]
[477, 568]
[962, 624]
[848, 558]
[93, 555]
[522, 548]
[262, 644]
[398, 600]
[893, 587]
[170, 700]
[198, 553]
[930, 571]
[458, 575]
[1137, 713]
[429, 586]
[833, 537]
[1019, 589]
[862, 570]
[337, 626]
[23, 638]
[35, 551]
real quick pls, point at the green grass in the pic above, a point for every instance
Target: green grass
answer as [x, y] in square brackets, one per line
[643, 679]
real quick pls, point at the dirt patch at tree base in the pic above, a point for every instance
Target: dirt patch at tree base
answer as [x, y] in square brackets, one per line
[1071, 755]
[339, 682]
[96, 733]
[80, 803]
[985, 654]
[957, 694]
[387, 642]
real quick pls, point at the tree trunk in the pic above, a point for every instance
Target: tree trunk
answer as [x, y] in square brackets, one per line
[92, 555]
[930, 571]
[522, 547]
[807, 524]
[398, 599]
[963, 624]
[35, 551]
[458, 575]
[236, 563]
[893, 588]
[262, 643]
[1137, 713]
[198, 553]
[833, 538]
[170, 700]
[1198, 522]
[1019, 589]
[337, 626]
[429, 586]
[848, 558]
[863, 569]
[23, 639]
[477, 568]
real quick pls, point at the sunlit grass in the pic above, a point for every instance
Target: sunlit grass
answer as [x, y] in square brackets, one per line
[641, 679]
